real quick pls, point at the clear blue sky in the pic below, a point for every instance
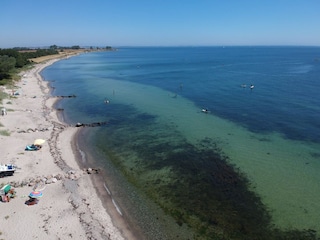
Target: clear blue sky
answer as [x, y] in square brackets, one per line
[37, 23]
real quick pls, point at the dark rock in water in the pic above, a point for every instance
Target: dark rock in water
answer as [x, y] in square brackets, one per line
[92, 170]
[68, 96]
[79, 124]
[97, 124]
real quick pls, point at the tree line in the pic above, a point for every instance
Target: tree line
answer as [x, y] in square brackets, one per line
[12, 59]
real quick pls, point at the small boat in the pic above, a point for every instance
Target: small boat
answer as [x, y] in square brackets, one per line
[204, 110]
[7, 170]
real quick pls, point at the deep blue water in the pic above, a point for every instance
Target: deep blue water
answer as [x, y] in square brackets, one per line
[285, 98]
[151, 92]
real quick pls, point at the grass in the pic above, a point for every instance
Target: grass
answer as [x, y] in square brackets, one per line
[4, 133]
[3, 96]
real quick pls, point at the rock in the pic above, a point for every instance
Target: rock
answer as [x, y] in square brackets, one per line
[49, 176]
[31, 184]
[49, 181]
[71, 172]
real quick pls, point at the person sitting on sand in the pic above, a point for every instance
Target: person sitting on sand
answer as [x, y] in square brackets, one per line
[31, 201]
[7, 192]
[3, 111]
[38, 147]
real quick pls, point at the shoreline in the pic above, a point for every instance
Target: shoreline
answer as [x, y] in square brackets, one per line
[100, 184]
[70, 207]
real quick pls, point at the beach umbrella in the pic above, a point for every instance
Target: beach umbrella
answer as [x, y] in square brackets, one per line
[35, 194]
[39, 141]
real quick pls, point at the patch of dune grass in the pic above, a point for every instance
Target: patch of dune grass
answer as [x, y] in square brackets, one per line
[4, 133]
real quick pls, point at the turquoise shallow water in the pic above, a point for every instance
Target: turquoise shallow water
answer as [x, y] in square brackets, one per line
[158, 135]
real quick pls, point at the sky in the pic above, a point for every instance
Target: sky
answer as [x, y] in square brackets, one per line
[39, 23]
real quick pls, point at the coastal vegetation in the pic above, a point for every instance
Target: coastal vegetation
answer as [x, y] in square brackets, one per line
[4, 133]
[13, 60]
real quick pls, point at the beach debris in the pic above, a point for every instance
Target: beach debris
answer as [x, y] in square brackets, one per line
[33, 130]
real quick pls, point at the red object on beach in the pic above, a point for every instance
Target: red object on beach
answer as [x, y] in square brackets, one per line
[32, 201]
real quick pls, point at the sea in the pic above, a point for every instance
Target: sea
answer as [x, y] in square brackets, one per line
[201, 142]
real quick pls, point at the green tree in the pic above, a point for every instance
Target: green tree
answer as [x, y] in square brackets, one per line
[21, 59]
[7, 64]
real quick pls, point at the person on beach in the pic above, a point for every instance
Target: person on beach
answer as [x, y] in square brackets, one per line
[31, 201]
[6, 193]
[3, 111]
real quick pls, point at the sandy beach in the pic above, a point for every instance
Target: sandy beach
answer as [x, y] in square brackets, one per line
[70, 207]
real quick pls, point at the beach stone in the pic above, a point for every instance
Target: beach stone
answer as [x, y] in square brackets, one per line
[31, 184]
[71, 172]
[72, 177]
[24, 183]
[49, 176]
[51, 180]
[59, 176]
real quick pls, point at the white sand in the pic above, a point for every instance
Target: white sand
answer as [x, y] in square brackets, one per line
[69, 209]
